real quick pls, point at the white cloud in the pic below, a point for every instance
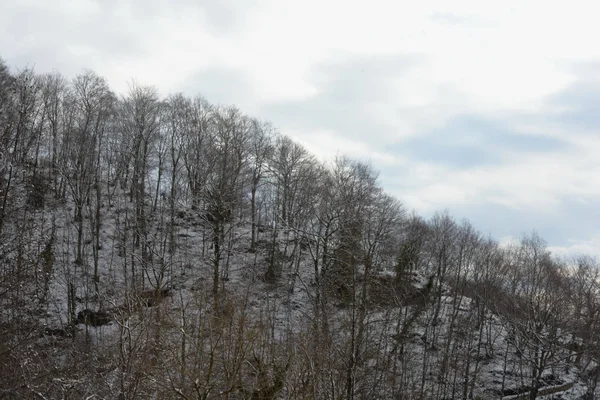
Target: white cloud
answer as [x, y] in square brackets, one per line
[496, 60]
[331, 145]
[497, 57]
[533, 182]
[576, 247]
[508, 241]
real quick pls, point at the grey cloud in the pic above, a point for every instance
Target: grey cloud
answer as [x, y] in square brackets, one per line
[222, 86]
[577, 214]
[346, 90]
[42, 36]
[572, 220]
[470, 141]
[573, 109]
[580, 107]
[219, 17]
[226, 16]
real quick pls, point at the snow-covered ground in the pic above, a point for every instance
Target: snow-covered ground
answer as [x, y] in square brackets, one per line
[435, 340]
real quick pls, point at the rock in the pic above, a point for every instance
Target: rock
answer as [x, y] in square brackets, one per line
[93, 318]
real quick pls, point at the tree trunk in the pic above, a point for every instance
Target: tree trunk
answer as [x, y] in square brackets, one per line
[253, 217]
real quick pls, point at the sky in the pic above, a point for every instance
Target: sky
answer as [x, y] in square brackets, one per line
[487, 109]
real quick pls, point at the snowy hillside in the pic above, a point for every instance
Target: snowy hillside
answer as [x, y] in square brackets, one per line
[170, 248]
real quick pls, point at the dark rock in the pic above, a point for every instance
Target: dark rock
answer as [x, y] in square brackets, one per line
[93, 318]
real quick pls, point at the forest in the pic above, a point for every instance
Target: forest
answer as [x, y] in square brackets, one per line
[170, 248]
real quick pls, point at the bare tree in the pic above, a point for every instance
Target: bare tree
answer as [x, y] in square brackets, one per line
[89, 109]
[584, 294]
[538, 316]
[179, 125]
[261, 150]
[223, 193]
[139, 117]
[26, 89]
[285, 164]
[195, 162]
[54, 88]
[7, 111]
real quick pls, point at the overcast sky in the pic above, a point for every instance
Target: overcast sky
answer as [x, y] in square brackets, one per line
[489, 109]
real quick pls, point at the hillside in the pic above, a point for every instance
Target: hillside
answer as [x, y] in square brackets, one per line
[171, 248]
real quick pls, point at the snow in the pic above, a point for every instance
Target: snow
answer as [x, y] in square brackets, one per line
[286, 305]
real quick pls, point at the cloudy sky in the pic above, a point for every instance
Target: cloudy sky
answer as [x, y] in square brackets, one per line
[490, 109]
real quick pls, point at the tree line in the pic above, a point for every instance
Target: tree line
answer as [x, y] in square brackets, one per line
[110, 203]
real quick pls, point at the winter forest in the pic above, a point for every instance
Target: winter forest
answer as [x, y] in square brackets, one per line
[170, 248]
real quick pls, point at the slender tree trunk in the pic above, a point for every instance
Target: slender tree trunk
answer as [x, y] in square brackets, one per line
[97, 234]
[253, 217]
[217, 256]
[5, 196]
[79, 221]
